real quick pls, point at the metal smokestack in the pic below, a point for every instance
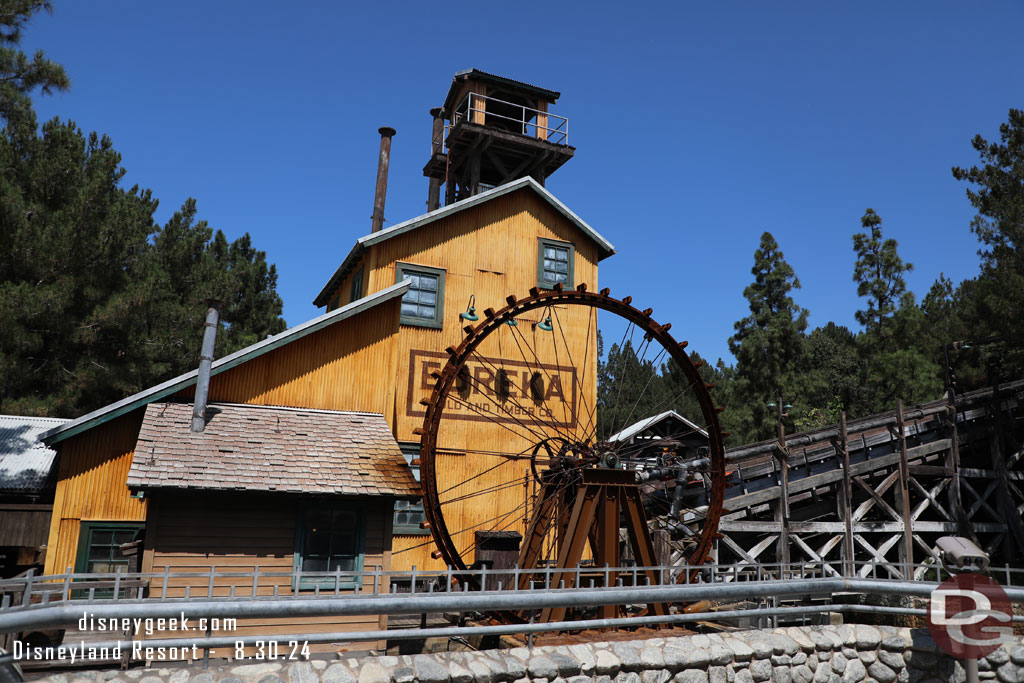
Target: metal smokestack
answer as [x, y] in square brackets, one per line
[205, 363]
[436, 145]
[382, 178]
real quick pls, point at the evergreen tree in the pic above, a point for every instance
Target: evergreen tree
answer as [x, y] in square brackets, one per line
[20, 74]
[768, 343]
[831, 379]
[997, 193]
[878, 273]
[898, 360]
[96, 300]
[629, 390]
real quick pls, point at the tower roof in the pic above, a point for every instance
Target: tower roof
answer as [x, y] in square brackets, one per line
[477, 75]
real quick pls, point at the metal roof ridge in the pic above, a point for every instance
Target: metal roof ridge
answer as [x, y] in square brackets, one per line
[154, 393]
[431, 216]
[294, 409]
[35, 418]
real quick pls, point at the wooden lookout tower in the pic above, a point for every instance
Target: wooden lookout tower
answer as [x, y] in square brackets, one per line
[490, 131]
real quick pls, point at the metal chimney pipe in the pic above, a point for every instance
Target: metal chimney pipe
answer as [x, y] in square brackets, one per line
[436, 145]
[205, 364]
[380, 195]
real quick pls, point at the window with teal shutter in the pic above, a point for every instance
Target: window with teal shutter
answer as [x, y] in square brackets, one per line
[555, 264]
[423, 304]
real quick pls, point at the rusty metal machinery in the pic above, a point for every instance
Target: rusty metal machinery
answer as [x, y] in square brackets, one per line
[528, 373]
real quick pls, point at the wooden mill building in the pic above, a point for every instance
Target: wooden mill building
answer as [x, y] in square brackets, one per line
[307, 460]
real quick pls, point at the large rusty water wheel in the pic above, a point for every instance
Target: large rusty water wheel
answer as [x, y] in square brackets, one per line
[511, 434]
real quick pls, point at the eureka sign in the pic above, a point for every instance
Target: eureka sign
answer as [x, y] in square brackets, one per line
[498, 390]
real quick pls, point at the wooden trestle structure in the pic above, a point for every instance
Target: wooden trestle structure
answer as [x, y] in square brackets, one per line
[882, 489]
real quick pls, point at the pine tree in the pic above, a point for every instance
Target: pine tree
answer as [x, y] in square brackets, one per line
[768, 343]
[629, 390]
[96, 300]
[997, 193]
[20, 74]
[878, 273]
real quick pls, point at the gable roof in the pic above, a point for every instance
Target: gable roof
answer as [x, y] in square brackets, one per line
[477, 75]
[269, 448]
[171, 386]
[645, 424]
[604, 247]
[25, 461]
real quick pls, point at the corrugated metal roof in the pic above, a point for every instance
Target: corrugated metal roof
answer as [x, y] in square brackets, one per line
[171, 386]
[605, 248]
[270, 448]
[637, 427]
[25, 461]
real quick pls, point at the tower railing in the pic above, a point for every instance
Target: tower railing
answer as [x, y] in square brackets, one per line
[475, 108]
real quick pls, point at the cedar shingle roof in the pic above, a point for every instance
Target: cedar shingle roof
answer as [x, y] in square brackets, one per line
[262, 448]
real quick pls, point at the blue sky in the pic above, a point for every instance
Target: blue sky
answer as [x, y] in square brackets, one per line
[697, 126]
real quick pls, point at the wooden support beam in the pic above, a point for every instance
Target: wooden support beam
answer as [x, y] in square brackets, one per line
[839, 528]
[846, 499]
[998, 435]
[640, 537]
[606, 554]
[907, 549]
[930, 499]
[879, 555]
[825, 566]
[876, 496]
[782, 511]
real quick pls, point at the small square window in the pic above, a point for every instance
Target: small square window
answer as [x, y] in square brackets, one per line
[423, 304]
[555, 264]
[356, 291]
[329, 539]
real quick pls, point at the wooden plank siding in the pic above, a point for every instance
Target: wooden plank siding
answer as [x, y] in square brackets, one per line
[490, 251]
[91, 486]
[24, 524]
[235, 532]
[337, 368]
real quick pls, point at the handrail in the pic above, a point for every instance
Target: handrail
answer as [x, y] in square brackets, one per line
[32, 593]
[529, 121]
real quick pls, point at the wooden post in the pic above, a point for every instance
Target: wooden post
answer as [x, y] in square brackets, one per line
[542, 120]
[907, 551]
[474, 173]
[782, 507]
[477, 103]
[956, 506]
[1005, 504]
[846, 500]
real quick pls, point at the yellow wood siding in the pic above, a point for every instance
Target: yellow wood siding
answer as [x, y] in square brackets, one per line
[337, 368]
[489, 251]
[197, 531]
[90, 486]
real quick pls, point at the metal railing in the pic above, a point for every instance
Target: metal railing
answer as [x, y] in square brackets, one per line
[531, 122]
[763, 597]
[31, 592]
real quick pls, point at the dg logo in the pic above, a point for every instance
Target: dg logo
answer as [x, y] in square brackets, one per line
[969, 616]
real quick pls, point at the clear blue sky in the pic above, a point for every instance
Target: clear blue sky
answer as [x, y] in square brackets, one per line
[697, 127]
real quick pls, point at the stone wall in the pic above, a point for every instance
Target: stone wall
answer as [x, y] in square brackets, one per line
[821, 654]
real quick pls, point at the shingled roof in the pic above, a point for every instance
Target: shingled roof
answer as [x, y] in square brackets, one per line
[266, 448]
